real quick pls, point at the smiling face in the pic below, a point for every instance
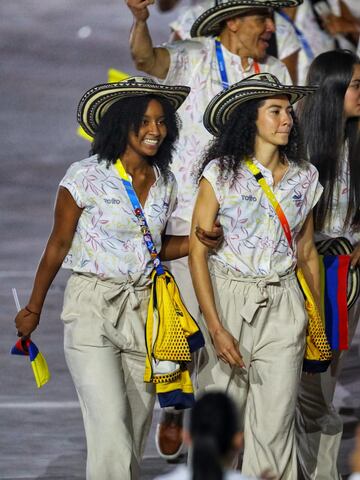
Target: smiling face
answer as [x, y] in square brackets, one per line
[274, 121]
[151, 134]
[253, 32]
[352, 95]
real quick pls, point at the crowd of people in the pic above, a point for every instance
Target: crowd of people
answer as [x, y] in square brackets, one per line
[238, 161]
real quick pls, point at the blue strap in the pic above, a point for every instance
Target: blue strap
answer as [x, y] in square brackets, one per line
[141, 220]
[221, 64]
[304, 43]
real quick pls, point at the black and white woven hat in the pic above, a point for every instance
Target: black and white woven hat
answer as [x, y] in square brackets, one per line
[208, 24]
[260, 85]
[96, 101]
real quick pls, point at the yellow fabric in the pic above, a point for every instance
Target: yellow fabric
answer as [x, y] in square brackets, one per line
[183, 382]
[168, 325]
[40, 370]
[317, 345]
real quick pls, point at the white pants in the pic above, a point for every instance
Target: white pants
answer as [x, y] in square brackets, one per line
[318, 425]
[105, 352]
[268, 318]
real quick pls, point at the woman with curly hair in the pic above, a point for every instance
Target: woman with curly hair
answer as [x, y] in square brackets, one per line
[97, 235]
[252, 306]
[331, 127]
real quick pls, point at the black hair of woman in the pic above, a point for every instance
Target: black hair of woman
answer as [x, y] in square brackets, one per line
[237, 140]
[215, 435]
[125, 115]
[326, 131]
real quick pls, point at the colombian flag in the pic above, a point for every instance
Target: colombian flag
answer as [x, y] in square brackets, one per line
[24, 346]
[334, 273]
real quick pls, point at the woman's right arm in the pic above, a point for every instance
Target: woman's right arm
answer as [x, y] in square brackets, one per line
[204, 215]
[66, 217]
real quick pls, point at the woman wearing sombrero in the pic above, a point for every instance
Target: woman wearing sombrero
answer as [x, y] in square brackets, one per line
[97, 235]
[250, 299]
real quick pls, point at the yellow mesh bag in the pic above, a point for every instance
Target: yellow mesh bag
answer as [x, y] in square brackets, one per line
[318, 352]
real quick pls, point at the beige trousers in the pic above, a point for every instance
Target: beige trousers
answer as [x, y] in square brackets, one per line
[105, 352]
[318, 425]
[267, 316]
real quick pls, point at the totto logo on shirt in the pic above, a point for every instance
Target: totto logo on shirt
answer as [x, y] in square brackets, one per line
[249, 198]
[112, 201]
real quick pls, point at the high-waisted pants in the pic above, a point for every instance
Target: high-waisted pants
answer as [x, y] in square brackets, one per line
[267, 316]
[104, 345]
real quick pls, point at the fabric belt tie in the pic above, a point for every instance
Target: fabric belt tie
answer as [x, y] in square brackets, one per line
[123, 290]
[257, 296]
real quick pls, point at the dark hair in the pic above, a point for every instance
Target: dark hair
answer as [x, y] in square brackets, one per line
[126, 115]
[237, 141]
[325, 130]
[213, 424]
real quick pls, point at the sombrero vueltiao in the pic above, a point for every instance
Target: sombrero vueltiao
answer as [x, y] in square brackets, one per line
[260, 85]
[208, 24]
[96, 101]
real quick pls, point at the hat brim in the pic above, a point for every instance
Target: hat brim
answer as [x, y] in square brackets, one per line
[342, 246]
[208, 24]
[96, 101]
[224, 103]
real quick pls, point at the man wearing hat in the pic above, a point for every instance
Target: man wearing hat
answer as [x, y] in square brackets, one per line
[234, 36]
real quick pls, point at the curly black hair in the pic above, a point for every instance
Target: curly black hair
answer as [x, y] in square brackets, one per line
[126, 115]
[237, 141]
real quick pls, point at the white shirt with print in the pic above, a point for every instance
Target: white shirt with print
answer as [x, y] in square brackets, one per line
[254, 241]
[195, 64]
[108, 241]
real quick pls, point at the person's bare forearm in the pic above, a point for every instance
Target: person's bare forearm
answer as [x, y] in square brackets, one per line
[141, 46]
[153, 61]
[49, 266]
[203, 289]
[174, 247]
[309, 264]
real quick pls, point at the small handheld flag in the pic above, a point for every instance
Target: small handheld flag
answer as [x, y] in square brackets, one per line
[24, 346]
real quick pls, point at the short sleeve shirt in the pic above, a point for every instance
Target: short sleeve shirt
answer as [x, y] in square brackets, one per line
[108, 241]
[254, 241]
[195, 64]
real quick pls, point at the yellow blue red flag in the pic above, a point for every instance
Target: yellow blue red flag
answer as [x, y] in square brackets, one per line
[24, 346]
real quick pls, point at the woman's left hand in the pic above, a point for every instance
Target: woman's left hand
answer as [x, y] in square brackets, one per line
[211, 239]
[355, 257]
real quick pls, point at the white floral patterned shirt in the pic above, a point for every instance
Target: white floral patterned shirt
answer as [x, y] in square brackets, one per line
[195, 64]
[108, 241]
[254, 241]
[334, 226]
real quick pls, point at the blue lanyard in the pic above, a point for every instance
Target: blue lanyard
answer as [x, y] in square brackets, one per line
[221, 64]
[304, 43]
[141, 220]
